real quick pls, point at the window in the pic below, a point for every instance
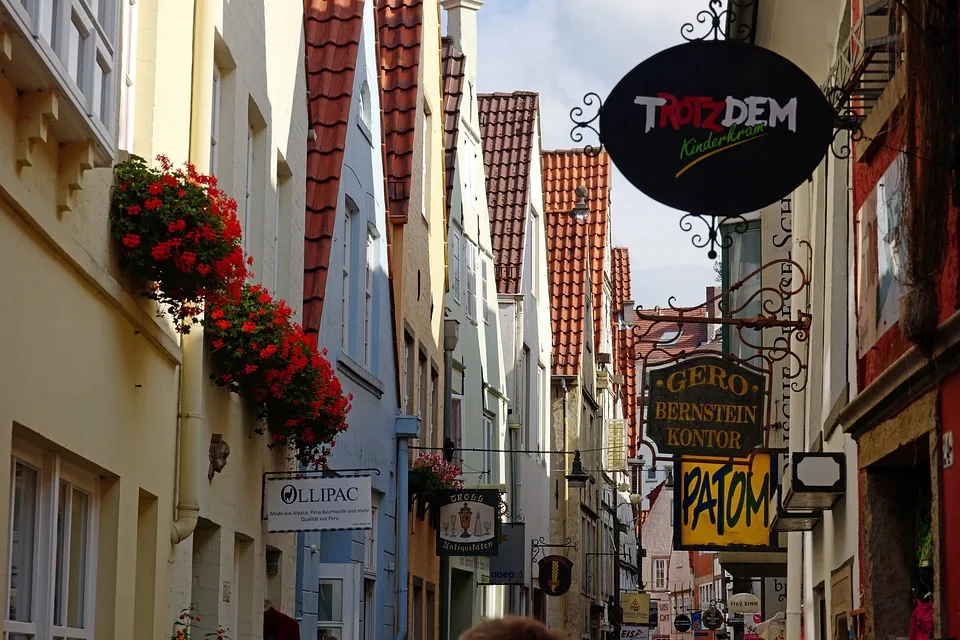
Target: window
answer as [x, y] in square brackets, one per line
[589, 545]
[424, 393]
[484, 301]
[660, 573]
[350, 210]
[527, 393]
[468, 169]
[431, 611]
[742, 258]
[455, 274]
[417, 610]
[487, 446]
[522, 391]
[409, 373]
[435, 417]
[651, 473]
[62, 579]
[471, 260]
[330, 608]
[282, 240]
[215, 122]
[368, 302]
[425, 161]
[456, 428]
[538, 413]
[370, 539]
[248, 192]
[369, 631]
[365, 103]
[128, 67]
[535, 235]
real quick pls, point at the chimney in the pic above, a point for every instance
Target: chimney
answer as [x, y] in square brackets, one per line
[713, 308]
[462, 27]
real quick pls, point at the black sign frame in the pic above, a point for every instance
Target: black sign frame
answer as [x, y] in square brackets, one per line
[712, 619]
[682, 623]
[693, 123]
[704, 383]
[555, 575]
[481, 507]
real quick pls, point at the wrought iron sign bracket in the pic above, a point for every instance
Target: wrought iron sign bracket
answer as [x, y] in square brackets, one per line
[592, 103]
[724, 20]
[846, 120]
[537, 545]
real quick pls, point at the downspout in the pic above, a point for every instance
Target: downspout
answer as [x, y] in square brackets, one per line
[191, 398]
[515, 435]
[563, 390]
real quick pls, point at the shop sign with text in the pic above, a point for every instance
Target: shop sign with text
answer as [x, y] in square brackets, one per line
[705, 405]
[313, 503]
[716, 127]
[469, 522]
[720, 506]
[555, 574]
[507, 566]
[636, 608]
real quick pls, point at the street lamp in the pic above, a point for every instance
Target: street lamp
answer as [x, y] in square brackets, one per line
[577, 478]
[580, 210]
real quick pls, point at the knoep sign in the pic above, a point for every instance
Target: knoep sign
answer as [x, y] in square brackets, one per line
[716, 127]
[705, 405]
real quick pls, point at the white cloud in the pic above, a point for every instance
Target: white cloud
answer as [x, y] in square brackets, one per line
[566, 48]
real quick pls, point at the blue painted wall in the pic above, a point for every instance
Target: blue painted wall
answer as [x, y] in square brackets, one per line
[369, 442]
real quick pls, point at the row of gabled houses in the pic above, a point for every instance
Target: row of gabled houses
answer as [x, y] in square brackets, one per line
[460, 281]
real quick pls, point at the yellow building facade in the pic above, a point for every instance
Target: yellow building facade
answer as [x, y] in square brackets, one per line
[115, 520]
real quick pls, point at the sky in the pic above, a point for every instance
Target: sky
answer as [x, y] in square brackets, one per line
[563, 49]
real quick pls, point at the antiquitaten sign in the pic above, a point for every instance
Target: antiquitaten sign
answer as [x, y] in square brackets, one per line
[636, 608]
[690, 124]
[722, 506]
[705, 405]
[469, 524]
[317, 504]
[555, 575]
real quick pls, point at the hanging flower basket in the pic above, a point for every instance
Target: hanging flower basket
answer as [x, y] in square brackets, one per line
[178, 231]
[434, 474]
[259, 353]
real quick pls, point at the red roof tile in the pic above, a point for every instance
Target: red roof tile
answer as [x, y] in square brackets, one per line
[568, 252]
[623, 345]
[508, 125]
[400, 24]
[332, 39]
[648, 332]
[454, 65]
[563, 172]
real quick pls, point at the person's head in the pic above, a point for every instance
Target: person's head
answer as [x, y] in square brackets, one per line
[512, 628]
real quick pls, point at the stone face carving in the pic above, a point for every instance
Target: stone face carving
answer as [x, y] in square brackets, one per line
[219, 450]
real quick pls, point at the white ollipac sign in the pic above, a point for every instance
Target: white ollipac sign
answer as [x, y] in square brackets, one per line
[317, 504]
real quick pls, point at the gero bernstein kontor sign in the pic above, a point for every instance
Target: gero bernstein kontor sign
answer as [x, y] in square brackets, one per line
[719, 506]
[705, 405]
[716, 127]
[313, 503]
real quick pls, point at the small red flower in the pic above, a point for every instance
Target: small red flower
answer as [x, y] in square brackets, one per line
[155, 189]
[131, 240]
[248, 327]
[217, 343]
[250, 368]
[152, 203]
[133, 210]
[223, 324]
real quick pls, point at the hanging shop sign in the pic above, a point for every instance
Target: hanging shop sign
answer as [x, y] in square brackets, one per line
[507, 566]
[556, 573]
[469, 524]
[705, 405]
[712, 619]
[682, 623]
[693, 124]
[721, 506]
[636, 608]
[314, 503]
[743, 603]
[634, 633]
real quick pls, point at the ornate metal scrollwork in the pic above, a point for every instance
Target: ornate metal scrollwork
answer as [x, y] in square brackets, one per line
[580, 122]
[719, 16]
[712, 237]
[846, 120]
[537, 545]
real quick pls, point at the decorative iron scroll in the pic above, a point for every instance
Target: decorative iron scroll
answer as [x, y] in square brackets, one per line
[537, 545]
[721, 16]
[580, 121]
[769, 356]
[712, 237]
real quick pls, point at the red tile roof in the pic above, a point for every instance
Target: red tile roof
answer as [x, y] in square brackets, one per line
[648, 332]
[563, 172]
[454, 65]
[400, 24]
[508, 126]
[623, 345]
[568, 253]
[332, 39]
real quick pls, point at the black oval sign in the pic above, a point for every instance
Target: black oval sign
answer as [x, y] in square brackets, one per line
[682, 623]
[712, 619]
[716, 127]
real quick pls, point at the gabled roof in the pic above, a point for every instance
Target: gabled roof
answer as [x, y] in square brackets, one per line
[332, 40]
[400, 25]
[508, 127]
[563, 172]
[691, 335]
[568, 251]
[454, 66]
[623, 345]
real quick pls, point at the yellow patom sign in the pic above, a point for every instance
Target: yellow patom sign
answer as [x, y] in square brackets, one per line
[617, 447]
[723, 506]
[636, 608]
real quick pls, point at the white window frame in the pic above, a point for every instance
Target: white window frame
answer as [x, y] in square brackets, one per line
[660, 582]
[349, 212]
[468, 169]
[248, 191]
[455, 242]
[370, 540]
[484, 288]
[538, 412]
[470, 250]
[488, 446]
[276, 237]
[365, 104]
[215, 121]
[130, 18]
[368, 300]
[51, 471]
[534, 237]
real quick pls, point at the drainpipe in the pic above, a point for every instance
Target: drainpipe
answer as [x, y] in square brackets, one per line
[451, 335]
[407, 427]
[563, 390]
[191, 395]
[515, 435]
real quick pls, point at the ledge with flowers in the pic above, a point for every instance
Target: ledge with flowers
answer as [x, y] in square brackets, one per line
[179, 236]
[429, 474]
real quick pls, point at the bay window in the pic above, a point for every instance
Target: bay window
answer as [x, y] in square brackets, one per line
[52, 548]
